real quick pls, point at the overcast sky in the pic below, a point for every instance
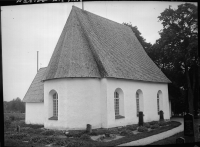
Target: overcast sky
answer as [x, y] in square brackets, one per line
[27, 29]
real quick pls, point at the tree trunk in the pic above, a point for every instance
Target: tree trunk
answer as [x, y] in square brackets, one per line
[190, 92]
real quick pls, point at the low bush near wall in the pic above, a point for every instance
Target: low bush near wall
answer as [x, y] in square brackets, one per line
[155, 126]
[47, 132]
[75, 133]
[126, 133]
[33, 126]
[113, 130]
[142, 129]
[93, 133]
[132, 127]
[162, 123]
[153, 122]
[85, 137]
[101, 131]
[147, 125]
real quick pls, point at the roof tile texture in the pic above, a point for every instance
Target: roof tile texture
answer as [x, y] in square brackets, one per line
[35, 92]
[93, 46]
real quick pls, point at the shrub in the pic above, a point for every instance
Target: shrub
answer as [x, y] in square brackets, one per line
[35, 139]
[75, 133]
[61, 142]
[46, 140]
[12, 118]
[113, 131]
[132, 127]
[126, 132]
[7, 123]
[25, 129]
[102, 131]
[47, 132]
[153, 122]
[162, 123]
[33, 126]
[93, 133]
[147, 125]
[142, 129]
[18, 136]
[56, 132]
[155, 126]
[31, 130]
[85, 137]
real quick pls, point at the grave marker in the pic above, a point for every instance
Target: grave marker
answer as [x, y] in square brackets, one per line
[89, 128]
[141, 122]
[161, 115]
[188, 125]
[189, 128]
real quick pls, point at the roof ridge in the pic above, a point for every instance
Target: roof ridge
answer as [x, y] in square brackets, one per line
[101, 17]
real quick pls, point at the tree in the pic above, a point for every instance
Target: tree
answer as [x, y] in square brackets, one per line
[15, 105]
[178, 45]
[143, 42]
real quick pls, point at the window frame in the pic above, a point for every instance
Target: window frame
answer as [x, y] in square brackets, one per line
[116, 104]
[119, 104]
[158, 104]
[137, 103]
[54, 106]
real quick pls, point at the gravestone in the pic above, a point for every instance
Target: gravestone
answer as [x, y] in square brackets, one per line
[89, 128]
[189, 128]
[188, 125]
[161, 115]
[180, 140]
[18, 129]
[141, 122]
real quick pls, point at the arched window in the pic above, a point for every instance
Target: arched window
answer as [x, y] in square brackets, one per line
[139, 101]
[119, 103]
[158, 105]
[159, 101]
[116, 103]
[55, 105]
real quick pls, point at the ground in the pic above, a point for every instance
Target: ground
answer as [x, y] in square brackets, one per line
[37, 135]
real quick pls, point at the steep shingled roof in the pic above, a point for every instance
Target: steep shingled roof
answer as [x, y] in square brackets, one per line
[35, 92]
[93, 46]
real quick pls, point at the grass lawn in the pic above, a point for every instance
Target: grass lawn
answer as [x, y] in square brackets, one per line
[172, 139]
[36, 135]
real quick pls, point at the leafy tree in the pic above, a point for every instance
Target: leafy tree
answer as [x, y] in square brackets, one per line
[143, 42]
[177, 48]
[15, 105]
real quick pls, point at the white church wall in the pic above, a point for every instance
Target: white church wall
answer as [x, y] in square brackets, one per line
[34, 113]
[79, 103]
[129, 89]
[104, 104]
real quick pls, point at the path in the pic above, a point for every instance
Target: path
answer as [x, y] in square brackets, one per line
[157, 137]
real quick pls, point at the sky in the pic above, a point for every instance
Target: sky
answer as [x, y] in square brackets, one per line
[29, 28]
